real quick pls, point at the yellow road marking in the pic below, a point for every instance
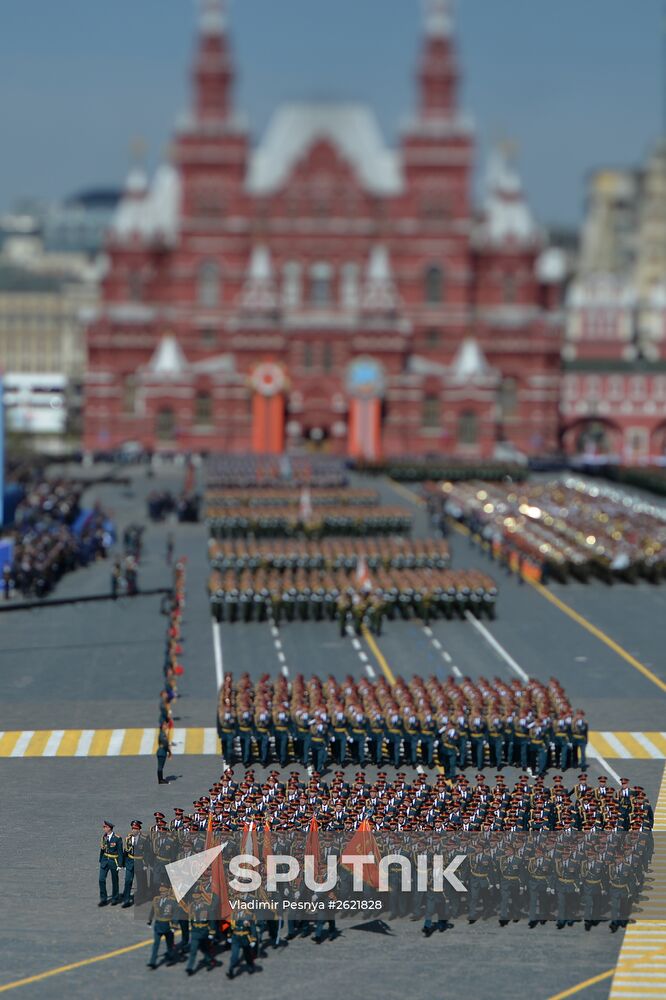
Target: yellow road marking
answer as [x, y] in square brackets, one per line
[73, 965]
[68, 743]
[582, 986]
[379, 656]
[7, 743]
[100, 743]
[194, 741]
[131, 742]
[37, 744]
[598, 634]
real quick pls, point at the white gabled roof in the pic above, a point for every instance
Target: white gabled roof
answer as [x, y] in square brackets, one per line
[168, 358]
[149, 212]
[470, 362]
[351, 128]
[507, 216]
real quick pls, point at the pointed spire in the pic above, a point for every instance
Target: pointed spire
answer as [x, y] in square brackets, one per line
[438, 18]
[259, 288]
[438, 72]
[212, 17]
[213, 69]
[469, 362]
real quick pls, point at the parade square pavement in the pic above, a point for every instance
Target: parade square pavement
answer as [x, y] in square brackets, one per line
[98, 666]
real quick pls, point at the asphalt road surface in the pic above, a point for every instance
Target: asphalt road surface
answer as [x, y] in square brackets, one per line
[98, 666]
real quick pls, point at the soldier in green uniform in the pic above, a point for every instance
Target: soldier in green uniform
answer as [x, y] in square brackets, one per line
[110, 861]
[510, 870]
[567, 874]
[243, 939]
[340, 735]
[579, 731]
[395, 733]
[592, 873]
[448, 747]
[377, 734]
[163, 751]
[200, 930]
[133, 852]
[376, 610]
[162, 912]
[539, 871]
[227, 730]
[344, 608]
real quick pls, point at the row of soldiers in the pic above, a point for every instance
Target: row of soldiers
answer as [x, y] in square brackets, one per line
[220, 499]
[338, 596]
[329, 553]
[172, 607]
[271, 472]
[335, 520]
[449, 725]
[504, 865]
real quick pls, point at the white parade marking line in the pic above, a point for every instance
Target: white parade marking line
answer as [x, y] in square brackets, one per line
[217, 649]
[492, 641]
[22, 743]
[147, 742]
[85, 739]
[210, 741]
[53, 742]
[116, 742]
[456, 672]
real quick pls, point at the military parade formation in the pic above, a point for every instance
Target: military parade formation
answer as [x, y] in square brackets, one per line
[568, 529]
[451, 724]
[538, 847]
[534, 852]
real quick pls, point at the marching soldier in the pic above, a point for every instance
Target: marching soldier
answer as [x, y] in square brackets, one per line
[200, 931]
[243, 939]
[162, 912]
[592, 874]
[110, 861]
[567, 873]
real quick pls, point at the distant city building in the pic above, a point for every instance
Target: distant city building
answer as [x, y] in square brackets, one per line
[325, 289]
[81, 223]
[45, 300]
[614, 356]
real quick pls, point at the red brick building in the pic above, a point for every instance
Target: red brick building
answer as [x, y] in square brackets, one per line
[322, 288]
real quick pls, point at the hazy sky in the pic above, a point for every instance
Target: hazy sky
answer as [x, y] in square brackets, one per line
[575, 82]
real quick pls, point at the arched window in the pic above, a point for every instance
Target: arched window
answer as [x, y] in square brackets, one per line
[434, 285]
[208, 284]
[203, 409]
[349, 293]
[508, 397]
[135, 286]
[509, 289]
[327, 357]
[129, 394]
[320, 284]
[430, 414]
[291, 285]
[165, 424]
[468, 427]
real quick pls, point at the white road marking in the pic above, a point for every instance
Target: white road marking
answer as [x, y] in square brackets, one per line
[591, 752]
[278, 644]
[371, 673]
[116, 742]
[427, 630]
[178, 741]
[53, 742]
[363, 656]
[217, 649]
[22, 743]
[436, 643]
[147, 742]
[456, 672]
[616, 745]
[447, 656]
[356, 644]
[85, 739]
[285, 670]
[492, 641]
[281, 656]
[648, 745]
[211, 741]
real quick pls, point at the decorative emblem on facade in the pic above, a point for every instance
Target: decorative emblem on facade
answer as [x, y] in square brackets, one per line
[268, 379]
[365, 379]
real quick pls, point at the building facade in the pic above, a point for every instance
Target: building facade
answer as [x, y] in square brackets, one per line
[323, 289]
[614, 355]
